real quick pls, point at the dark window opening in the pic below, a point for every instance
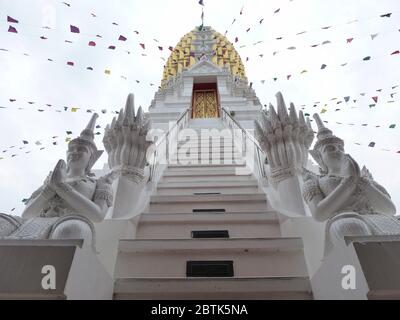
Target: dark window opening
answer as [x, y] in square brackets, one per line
[209, 268]
[208, 210]
[206, 193]
[210, 234]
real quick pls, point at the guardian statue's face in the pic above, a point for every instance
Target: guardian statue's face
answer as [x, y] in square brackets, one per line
[332, 155]
[78, 156]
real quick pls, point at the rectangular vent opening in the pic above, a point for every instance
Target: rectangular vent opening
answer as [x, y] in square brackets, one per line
[206, 193]
[202, 234]
[209, 268]
[208, 210]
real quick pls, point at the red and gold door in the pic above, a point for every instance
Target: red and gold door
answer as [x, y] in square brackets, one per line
[205, 104]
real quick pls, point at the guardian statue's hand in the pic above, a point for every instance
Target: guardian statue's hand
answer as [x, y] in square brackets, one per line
[126, 139]
[58, 174]
[285, 138]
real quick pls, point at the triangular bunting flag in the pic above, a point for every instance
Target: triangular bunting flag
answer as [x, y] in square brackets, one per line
[74, 29]
[11, 20]
[12, 29]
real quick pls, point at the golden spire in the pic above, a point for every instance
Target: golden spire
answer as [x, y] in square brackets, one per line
[186, 53]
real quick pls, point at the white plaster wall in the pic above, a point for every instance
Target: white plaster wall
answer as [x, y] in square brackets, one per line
[246, 264]
[183, 230]
[108, 234]
[313, 235]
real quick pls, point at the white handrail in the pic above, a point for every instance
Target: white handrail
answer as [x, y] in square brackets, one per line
[183, 119]
[245, 134]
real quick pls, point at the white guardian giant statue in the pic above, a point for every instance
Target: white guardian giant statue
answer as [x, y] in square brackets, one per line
[347, 198]
[70, 199]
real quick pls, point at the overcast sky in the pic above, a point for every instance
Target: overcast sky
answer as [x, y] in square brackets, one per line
[32, 78]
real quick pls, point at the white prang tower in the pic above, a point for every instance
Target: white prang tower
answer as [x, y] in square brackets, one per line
[205, 228]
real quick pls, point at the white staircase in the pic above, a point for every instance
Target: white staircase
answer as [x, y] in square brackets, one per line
[199, 196]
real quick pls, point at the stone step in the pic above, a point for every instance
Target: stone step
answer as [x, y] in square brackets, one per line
[193, 190]
[255, 257]
[195, 166]
[212, 151]
[204, 143]
[217, 152]
[180, 225]
[218, 158]
[191, 187]
[228, 245]
[229, 216]
[240, 206]
[206, 123]
[210, 178]
[207, 144]
[240, 288]
[213, 167]
[205, 170]
[208, 198]
[227, 202]
[184, 161]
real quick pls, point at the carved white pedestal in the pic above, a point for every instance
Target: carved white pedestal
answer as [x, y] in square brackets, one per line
[376, 262]
[78, 272]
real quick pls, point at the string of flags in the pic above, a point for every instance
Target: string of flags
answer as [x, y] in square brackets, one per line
[92, 42]
[323, 43]
[75, 29]
[95, 43]
[324, 27]
[59, 109]
[40, 143]
[42, 107]
[15, 150]
[70, 63]
[289, 76]
[354, 99]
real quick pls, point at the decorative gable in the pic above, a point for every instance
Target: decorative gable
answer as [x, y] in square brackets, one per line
[204, 67]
